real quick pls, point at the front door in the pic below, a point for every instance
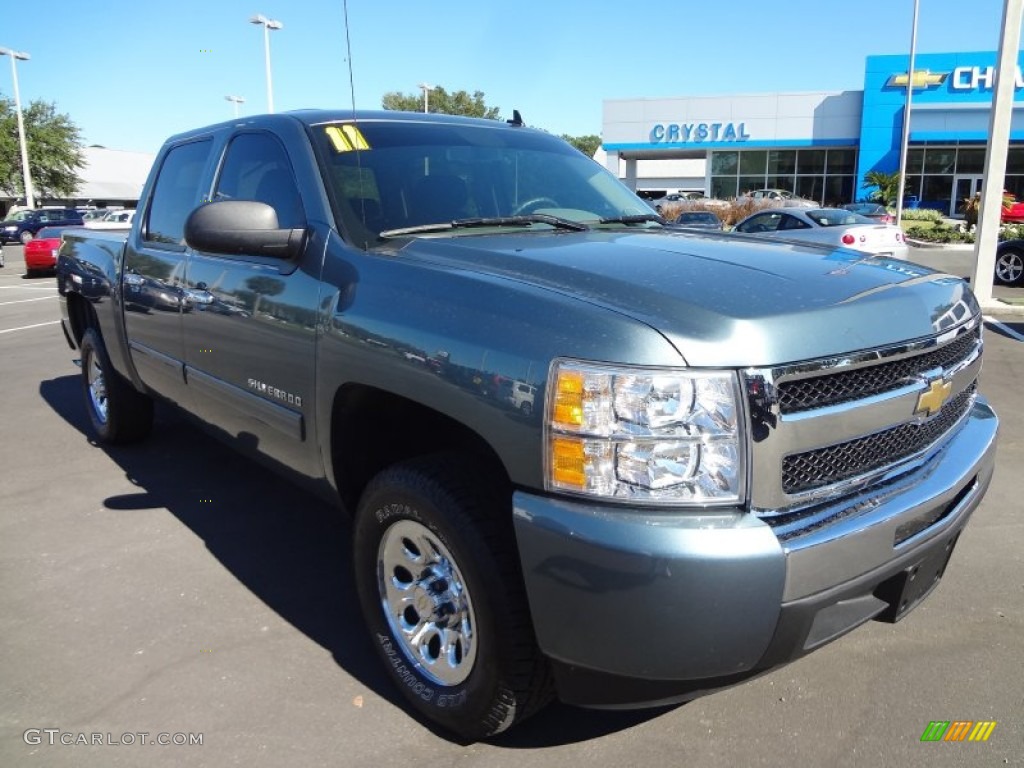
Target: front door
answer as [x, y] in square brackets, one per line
[964, 188]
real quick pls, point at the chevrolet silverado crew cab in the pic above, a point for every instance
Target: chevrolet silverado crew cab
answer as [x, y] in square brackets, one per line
[734, 451]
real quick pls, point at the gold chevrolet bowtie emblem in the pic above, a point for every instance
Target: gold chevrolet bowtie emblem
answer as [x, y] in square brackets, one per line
[922, 79]
[931, 400]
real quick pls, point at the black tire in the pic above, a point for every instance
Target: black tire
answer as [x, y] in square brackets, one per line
[1009, 267]
[468, 571]
[118, 412]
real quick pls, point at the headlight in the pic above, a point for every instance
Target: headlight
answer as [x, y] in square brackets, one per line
[653, 436]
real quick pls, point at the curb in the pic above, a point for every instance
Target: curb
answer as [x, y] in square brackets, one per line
[945, 246]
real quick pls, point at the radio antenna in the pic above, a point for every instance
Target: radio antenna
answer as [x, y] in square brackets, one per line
[352, 94]
[348, 47]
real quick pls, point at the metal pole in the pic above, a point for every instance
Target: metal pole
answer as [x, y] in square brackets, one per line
[30, 199]
[426, 95]
[996, 154]
[905, 143]
[266, 59]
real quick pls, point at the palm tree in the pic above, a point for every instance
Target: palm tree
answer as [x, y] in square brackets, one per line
[887, 186]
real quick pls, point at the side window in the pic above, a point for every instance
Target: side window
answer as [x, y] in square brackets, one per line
[792, 222]
[257, 168]
[766, 222]
[176, 191]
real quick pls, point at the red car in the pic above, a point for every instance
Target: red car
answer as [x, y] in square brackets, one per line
[1012, 211]
[41, 251]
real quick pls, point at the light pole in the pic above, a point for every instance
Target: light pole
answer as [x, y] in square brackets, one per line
[267, 24]
[30, 200]
[236, 100]
[426, 99]
[905, 142]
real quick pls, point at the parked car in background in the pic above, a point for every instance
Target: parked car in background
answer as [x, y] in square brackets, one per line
[1012, 210]
[1010, 262]
[697, 219]
[682, 198]
[121, 219]
[23, 225]
[782, 196]
[95, 214]
[827, 226]
[873, 211]
[41, 251]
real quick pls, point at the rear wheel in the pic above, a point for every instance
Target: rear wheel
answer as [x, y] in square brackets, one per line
[26, 237]
[439, 585]
[118, 412]
[1009, 267]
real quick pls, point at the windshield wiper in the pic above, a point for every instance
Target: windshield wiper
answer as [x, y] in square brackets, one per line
[492, 221]
[633, 218]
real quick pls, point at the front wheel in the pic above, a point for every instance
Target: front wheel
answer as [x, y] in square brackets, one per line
[1009, 267]
[118, 412]
[439, 585]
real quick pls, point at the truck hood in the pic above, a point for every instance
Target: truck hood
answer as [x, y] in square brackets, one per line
[725, 300]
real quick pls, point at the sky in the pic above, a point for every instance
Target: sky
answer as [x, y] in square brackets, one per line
[130, 74]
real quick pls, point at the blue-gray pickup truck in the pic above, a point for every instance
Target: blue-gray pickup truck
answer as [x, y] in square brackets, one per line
[585, 455]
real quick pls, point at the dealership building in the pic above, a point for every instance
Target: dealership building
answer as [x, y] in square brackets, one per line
[821, 145]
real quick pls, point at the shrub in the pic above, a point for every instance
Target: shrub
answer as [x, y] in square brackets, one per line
[922, 214]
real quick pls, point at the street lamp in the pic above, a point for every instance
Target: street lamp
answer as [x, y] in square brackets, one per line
[29, 197]
[236, 100]
[268, 24]
[426, 90]
[905, 142]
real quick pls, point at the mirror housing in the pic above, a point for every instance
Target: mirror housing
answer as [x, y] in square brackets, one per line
[242, 227]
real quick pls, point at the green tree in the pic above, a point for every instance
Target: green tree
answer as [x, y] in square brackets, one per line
[54, 150]
[586, 144]
[887, 186]
[442, 102]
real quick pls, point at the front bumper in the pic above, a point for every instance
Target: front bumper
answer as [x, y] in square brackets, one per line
[637, 607]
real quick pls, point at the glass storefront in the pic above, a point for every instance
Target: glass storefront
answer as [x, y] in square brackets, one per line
[942, 176]
[826, 175]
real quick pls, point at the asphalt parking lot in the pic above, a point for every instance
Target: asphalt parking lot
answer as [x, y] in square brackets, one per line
[173, 589]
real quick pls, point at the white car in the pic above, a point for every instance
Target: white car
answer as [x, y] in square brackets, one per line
[121, 219]
[827, 226]
[782, 197]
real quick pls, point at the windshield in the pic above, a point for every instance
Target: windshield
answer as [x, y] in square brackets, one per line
[390, 176]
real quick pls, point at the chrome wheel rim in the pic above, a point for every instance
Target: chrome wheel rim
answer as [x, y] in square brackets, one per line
[97, 389]
[427, 603]
[1009, 267]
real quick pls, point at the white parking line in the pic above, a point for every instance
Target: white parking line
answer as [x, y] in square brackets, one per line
[49, 287]
[26, 327]
[26, 301]
[1004, 328]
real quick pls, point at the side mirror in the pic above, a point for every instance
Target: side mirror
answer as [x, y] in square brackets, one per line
[236, 227]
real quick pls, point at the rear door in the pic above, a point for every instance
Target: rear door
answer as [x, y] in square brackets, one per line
[151, 289]
[250, 335]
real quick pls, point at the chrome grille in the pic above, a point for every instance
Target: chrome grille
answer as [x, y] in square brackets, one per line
[844, 387]
[807, 471]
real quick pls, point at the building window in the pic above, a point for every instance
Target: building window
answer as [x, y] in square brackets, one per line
[826, 175]
[753, 163]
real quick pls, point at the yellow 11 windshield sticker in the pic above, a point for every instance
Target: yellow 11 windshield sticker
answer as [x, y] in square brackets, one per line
[346, 138]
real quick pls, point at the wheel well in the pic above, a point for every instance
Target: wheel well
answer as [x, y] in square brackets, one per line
[372, 429]
[81, 316]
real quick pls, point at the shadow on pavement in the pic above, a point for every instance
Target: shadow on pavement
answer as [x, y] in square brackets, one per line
[288, 547]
